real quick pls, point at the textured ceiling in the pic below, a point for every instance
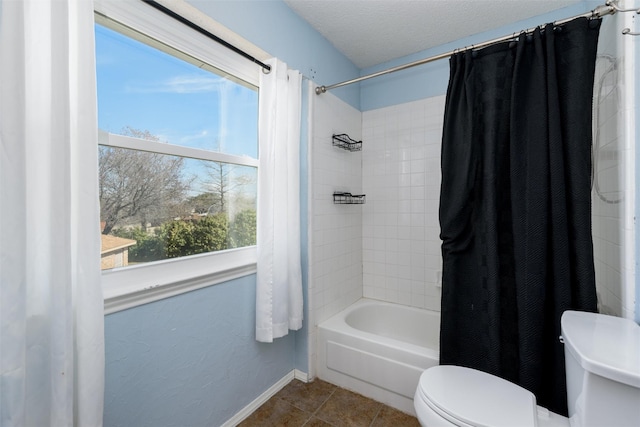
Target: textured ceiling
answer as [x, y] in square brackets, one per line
[371, 32]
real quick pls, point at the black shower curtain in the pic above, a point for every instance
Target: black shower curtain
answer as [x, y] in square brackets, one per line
[515, 206]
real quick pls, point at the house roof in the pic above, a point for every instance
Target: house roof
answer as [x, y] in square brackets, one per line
[111, 243]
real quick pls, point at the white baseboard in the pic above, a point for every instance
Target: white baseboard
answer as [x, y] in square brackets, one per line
[268, 394]
[302, 376]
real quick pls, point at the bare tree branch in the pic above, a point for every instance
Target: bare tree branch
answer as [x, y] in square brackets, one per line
[137, 185]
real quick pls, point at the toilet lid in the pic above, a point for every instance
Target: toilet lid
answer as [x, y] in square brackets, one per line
[470, 397]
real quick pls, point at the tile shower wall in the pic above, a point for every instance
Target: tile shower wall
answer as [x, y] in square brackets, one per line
[335, 239]
[401, 177]
[612, 193]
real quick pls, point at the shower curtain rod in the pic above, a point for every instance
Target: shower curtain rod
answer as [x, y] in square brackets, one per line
[607, 9]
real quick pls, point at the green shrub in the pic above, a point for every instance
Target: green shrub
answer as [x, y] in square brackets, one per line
[148, 247]
[242, 231]
[190, 237]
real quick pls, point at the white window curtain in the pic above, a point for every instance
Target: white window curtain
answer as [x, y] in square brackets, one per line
[51, 308]
[279, 281]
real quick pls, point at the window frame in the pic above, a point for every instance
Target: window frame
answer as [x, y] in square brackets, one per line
[128, 287]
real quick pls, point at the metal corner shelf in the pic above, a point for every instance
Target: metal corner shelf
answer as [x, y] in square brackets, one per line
[342, 198]
[346, 143]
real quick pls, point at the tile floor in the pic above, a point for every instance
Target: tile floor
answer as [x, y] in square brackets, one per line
[320, 404]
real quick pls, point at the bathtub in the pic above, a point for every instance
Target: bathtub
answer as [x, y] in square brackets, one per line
[379, 350]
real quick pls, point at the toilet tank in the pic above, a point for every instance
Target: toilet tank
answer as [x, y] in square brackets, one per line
[602, 358]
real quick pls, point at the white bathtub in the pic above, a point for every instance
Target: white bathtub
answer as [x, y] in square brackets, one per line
[379, 350]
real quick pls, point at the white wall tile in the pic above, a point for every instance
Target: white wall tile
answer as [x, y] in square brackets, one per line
[338, 246]
[404, 184]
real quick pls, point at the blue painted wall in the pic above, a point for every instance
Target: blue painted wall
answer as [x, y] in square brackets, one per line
[302, 335]
[431, 79]
[276, 29]
[189, 360]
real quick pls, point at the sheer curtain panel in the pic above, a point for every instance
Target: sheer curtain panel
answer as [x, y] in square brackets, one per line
[279, 282]
[51, 308]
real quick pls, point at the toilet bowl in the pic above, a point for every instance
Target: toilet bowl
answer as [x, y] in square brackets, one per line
[602, 357]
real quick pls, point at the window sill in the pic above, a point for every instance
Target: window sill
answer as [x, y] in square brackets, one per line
[136, 285]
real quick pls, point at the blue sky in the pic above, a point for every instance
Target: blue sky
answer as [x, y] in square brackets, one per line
[146, 89]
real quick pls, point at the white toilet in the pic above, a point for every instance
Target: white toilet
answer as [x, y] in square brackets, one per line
[602, 359]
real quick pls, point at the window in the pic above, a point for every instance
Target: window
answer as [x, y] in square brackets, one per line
[177, 157]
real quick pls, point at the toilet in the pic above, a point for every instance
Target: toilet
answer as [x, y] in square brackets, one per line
[602, 360]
